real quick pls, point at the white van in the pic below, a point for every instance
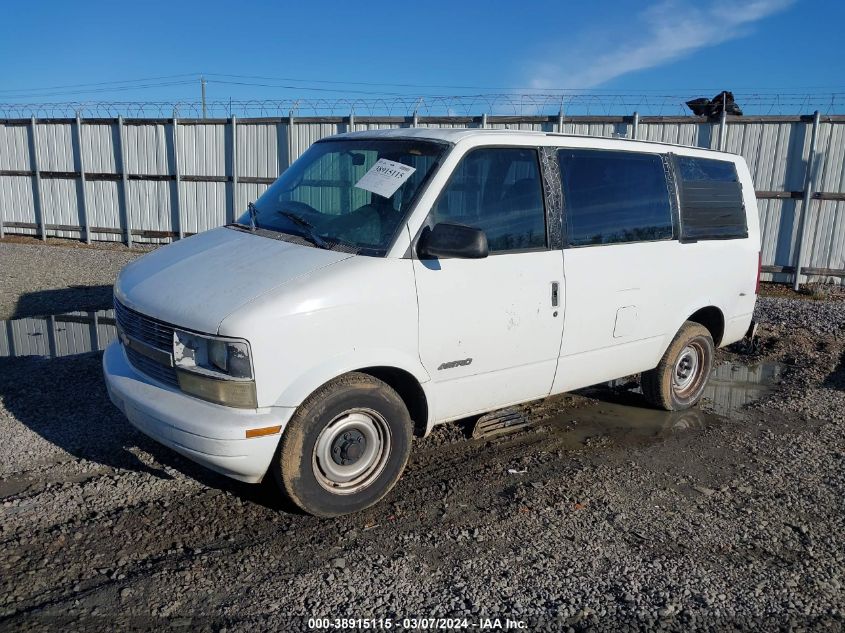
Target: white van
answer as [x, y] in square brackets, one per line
[392, 280]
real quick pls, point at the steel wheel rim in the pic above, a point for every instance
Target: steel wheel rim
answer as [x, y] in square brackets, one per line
[351, 451]
[687, 369]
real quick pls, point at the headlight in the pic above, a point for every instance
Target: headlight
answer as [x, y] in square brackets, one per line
[214, 369]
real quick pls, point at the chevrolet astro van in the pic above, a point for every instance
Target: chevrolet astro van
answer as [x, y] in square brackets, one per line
[393, 280]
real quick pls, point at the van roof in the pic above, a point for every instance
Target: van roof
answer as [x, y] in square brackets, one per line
[453, 135]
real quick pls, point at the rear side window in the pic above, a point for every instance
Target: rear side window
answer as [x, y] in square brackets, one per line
[710, 199]
[498, 190]
[613, 197]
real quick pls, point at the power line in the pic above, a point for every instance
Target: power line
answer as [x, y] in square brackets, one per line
[97, 90]
[126, 84]
[357, 83]
[310, 85]
[100, 83]
[309, 89]
[502, 88]
[537, 94]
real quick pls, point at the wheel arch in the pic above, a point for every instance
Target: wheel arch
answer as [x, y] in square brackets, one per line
[408, 379]
[713, 319]
[409, 389]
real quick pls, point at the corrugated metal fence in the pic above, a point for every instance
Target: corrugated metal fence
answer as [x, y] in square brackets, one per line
[153, 180]
[58, 335]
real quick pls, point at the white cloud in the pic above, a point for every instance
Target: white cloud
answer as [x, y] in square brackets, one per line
[666, 31]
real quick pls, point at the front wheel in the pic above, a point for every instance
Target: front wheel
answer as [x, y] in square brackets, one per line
[345, 447]
[679, 380]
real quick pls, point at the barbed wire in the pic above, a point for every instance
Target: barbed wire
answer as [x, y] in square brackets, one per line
[570, 104]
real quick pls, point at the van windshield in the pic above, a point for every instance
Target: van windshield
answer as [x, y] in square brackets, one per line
[347, 194]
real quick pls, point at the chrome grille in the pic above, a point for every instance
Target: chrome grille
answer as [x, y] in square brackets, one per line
[144, 328]
[154, 333]
[151, 368]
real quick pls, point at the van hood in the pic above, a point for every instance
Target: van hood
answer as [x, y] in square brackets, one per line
[197, 282]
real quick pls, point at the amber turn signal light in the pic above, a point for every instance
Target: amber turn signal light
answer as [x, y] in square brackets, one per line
[267, 430]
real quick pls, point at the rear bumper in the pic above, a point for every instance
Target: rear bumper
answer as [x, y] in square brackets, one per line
[209, 434]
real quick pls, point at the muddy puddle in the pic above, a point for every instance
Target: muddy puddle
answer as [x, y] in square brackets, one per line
[623, 415]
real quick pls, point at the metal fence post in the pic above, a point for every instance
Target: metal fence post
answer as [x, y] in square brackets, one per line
[202, 88]
[234, 167]
[484, 120]
[10, 336]
[93, 331]
[350, 125]
[82, 183]
[415, 122]
[723, 130]
[180, 225]
[124, 177]
[560, 121]
[290, 138]
[37, 198]
[51, 337]
[806, 201]
[635, 126]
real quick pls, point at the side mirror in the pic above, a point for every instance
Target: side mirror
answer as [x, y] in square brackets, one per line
[453, 240]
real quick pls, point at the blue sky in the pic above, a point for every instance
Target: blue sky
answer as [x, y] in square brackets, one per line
[660, 46]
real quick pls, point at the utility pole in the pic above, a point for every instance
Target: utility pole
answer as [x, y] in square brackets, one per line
[202, 84]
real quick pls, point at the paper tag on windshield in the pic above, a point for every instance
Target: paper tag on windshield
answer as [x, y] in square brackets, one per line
[385, 177]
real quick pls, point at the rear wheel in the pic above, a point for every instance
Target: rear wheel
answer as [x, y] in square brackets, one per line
[679, 380]
[345, 446]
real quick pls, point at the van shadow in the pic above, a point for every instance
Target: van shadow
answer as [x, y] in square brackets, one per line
[64, 400]
[836, 378]
[59, 300]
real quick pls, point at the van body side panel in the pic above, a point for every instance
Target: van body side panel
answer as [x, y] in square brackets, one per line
[727, 269]
[626, 302]
[361, 315]
[620, 306]
[489, 335]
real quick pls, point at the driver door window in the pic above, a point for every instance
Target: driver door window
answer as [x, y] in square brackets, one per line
[498, 190]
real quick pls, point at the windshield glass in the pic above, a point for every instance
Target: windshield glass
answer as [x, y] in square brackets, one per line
[352, 193]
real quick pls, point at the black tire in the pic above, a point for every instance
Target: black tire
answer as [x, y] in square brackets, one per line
[339, 428]
[678, 382]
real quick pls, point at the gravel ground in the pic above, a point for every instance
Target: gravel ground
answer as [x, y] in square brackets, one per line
[37, 279]
[591, 520]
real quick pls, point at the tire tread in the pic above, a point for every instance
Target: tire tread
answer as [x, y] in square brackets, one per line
[656, 384]
[287, 463]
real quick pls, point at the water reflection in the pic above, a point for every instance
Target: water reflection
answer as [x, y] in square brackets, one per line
[57, 335]
[622, 412]
[733, 385]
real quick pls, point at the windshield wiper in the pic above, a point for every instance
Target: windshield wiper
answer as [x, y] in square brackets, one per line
[253, 215]
[311, 232]
[240, 225]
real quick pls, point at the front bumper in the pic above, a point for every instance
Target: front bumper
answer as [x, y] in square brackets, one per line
[209, 434]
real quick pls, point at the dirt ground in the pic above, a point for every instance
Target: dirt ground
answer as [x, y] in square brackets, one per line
[603, 515]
